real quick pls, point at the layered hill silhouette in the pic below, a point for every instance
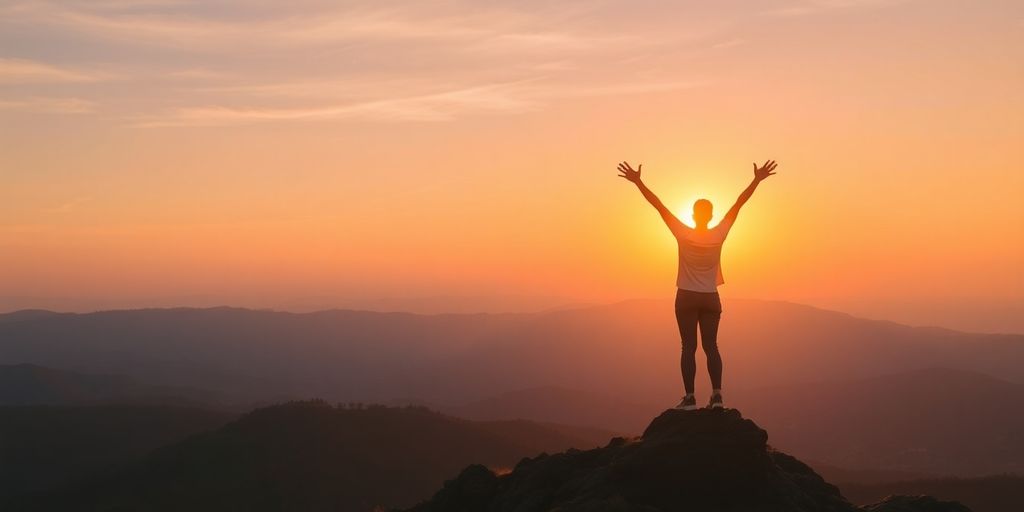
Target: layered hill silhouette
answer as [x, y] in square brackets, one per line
[630, 350]
[624, 349]
[45, 447]
[855, 424]
[706, 460]
[937, 420]
[310, 456]
[246, 355]
[30, 384]
[560, 405]
[610, 367]
[996, 493]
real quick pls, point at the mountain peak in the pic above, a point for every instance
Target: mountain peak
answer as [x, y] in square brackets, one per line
[706, 424]
[705, 460]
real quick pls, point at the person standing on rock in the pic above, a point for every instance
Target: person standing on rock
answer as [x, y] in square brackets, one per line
[700, 272]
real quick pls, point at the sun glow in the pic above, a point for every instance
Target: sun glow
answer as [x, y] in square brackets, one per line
[195, 169]
[685, 214]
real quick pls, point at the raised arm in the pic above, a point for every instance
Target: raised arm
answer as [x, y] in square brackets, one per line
[760, 173]
[672, 221]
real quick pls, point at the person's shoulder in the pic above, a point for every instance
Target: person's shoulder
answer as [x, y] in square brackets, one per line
[681, 230]
[720, 231]
[724, 225]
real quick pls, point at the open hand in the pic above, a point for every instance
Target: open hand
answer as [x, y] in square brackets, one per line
[768, 169]
[629, 173]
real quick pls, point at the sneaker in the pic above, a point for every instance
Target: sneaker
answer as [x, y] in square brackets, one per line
[716, 401]
[688, 403]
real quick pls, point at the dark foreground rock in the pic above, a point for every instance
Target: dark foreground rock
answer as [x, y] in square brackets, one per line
[691, 461]
[915, 504]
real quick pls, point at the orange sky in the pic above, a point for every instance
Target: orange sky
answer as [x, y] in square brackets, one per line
[386, 154]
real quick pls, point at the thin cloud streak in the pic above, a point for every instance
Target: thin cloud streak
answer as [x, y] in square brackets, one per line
[68, 206]
[729, 44]
[323, 28]
[516, 97]
[432, 64]
[200, 74]
[24, 71]
[809, 7]
[442, 106]
[49, 105]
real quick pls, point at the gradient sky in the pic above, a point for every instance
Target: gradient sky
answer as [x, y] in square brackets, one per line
[460, 155]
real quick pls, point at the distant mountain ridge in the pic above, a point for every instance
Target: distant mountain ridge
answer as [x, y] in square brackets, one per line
[30, 384]
[931, 420]
[558, 404]
[996, 493]
[310, 456]
[47, 446]
[623, 349]
[779, 359]
[316, 457]
[925, 431]
[28, 314]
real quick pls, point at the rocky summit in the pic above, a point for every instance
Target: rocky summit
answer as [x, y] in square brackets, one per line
[696, 461]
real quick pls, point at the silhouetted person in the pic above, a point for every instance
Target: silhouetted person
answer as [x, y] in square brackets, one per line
[700, 273]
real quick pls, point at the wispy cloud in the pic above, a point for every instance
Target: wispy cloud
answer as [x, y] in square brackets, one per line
[634, 88]
[135, 4]
[440, 106]
[68, 206]
[366, 60]
[807, 7]
[119, 25]
[198, 74]
[354, 24]
[49, 105]
[729, 44]
[789, 11]
[515, 97]
[19, 71]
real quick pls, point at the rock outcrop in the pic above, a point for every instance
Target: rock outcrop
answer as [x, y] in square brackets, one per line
[695, 461]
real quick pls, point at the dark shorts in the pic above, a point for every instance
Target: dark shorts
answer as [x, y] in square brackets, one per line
[688, 301]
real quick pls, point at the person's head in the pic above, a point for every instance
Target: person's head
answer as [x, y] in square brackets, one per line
[702, 212]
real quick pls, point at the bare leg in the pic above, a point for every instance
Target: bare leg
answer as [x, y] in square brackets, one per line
[686, 317]
[709, 319]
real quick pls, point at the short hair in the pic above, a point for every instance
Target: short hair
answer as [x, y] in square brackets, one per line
[702, 204]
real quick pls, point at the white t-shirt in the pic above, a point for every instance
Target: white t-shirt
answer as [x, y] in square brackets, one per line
[700, 257]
